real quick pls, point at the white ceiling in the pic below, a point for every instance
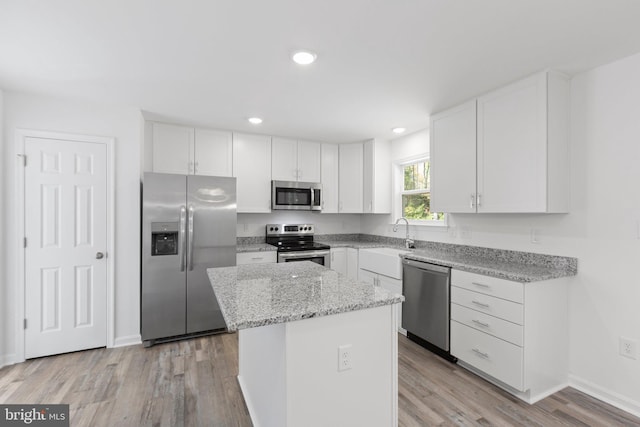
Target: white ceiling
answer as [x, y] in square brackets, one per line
[381, 63]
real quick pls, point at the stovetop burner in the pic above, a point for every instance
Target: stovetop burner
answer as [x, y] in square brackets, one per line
[293, 237]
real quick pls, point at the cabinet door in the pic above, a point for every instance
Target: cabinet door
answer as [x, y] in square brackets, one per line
[368, 277]
[512, 154]
[377, 176]
[350, 178]
[172, 149]
[395, 286]
[308, 161]
[213, 152]
[329, 178]
[339, 260]
[352, 263]
[252, 168]
[284, 159]
[453, 159]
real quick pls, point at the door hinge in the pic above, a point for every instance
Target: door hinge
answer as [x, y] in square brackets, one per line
[24, 159]
[25, 323]
[24, 242]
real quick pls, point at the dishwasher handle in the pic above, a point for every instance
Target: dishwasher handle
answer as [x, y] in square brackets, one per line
[426, 266]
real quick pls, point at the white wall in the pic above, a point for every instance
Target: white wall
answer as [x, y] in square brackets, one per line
[43, 113]
[601, 230]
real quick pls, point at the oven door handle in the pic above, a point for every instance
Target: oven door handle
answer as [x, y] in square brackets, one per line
[303, 254]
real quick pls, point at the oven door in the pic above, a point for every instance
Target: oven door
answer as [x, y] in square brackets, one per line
[319, 257]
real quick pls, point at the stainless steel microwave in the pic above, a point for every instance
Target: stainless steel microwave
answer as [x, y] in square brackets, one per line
[293, 195]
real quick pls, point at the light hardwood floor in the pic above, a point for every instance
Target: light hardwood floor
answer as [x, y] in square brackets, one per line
[193, 383]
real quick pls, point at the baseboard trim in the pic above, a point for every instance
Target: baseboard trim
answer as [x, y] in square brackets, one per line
[128, 340]
[247, 401]
[8, 359]
[608, 396]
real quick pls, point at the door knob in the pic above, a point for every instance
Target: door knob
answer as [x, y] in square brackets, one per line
[99, 255]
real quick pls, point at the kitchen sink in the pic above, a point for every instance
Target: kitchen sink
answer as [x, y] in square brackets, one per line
[384, 261]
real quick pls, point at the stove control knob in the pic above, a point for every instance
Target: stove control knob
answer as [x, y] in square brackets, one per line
[276, 228]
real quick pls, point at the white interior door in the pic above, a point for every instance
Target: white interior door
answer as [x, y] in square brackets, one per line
[66, 231]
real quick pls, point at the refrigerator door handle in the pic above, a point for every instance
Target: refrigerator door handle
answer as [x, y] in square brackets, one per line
[183, 239]
[190, 238]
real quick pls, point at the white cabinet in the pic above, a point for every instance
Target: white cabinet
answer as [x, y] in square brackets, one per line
[350, 178]
[262, 257]
[511, 155]
[372, 275]
[295, 160]
[252, 168]
[213, 152]
[172, 149]
[377, 177]
[514, 334]
[339, 260]
[352, 263]
[185, 150]
[453, 159]
[329, 177]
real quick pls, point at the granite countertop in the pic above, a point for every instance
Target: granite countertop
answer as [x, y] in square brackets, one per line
[255, 247]
[490, 266]
[353, 244]
[264, 294]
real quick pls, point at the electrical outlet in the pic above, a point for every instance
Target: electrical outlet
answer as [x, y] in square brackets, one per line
[465, 232]
[344, 357]
[628, 348]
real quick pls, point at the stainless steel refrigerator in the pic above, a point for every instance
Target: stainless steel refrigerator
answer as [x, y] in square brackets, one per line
[188, 225]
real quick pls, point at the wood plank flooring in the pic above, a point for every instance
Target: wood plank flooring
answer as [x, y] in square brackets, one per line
[193, 383]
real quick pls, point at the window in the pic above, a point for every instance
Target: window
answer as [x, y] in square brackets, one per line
[415, 192]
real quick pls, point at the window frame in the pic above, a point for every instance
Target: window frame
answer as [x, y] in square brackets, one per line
[399, 191]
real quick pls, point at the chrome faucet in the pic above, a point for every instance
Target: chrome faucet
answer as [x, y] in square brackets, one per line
[408, 243]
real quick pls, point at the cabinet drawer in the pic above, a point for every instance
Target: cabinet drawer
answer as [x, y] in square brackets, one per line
[256, 257]
[507, 310]
[506, 289]
[492, 325]
[498, 358]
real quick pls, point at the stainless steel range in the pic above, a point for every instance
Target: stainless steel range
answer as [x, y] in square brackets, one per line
[295, 243]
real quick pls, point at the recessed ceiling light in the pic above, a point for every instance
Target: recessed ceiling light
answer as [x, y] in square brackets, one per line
[398, 130]
[304, 57]
[255, 120]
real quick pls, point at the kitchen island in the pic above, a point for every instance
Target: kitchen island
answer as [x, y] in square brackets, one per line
[315, 347]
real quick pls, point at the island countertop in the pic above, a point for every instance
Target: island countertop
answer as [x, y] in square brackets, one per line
[264, 294]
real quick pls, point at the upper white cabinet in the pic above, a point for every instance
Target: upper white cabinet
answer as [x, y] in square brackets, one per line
[185, 150]
[329, 177]
[350, 178]
[172, 149]
[505, 152]
[213, 152]
[252, 168]
[295, 160]
[453, 159]
[377, 177]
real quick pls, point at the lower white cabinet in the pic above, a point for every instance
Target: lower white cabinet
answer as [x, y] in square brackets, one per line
[352, 263]
[339, 260]
[262, 257]
[388, 283]
[345, 261]
[513, 334]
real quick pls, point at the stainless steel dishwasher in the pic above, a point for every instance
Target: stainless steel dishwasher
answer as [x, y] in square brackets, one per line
[427, 305]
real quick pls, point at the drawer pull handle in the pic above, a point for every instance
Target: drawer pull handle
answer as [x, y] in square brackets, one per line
[257, 257]
[477, 322]
[480, 353]
[481, 304]
[482, 285]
